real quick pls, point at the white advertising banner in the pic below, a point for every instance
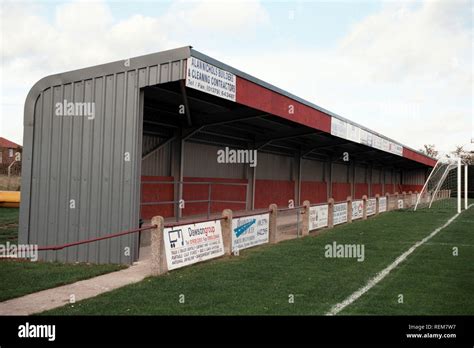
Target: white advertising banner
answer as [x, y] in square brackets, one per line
[371, 202]
[413, 199]
[377, 142]
[210, 79]
[340, 213]
[357, 209]
[345, 130]
[249, 231]
[318, 217]
[353, 133]
[338, 128]
[382, 204]
[188, 244]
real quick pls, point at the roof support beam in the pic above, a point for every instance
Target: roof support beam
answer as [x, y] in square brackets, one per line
[157, 147]
[186, 104]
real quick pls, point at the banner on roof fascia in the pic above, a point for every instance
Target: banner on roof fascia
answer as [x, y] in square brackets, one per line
[338, 128]
[210, 79]
[353, 133]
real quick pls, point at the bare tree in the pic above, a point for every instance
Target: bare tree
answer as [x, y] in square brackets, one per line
[430, 150]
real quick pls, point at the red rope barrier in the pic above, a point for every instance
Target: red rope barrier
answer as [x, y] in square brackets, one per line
[67, 245]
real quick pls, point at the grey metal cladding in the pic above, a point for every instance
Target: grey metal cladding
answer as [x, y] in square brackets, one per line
[70, 158]
[201, 161]
[159, 162]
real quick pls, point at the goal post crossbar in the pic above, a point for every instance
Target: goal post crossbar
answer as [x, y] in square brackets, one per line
[444, 183]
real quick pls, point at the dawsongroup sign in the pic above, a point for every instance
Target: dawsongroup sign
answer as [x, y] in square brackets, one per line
[188, 244]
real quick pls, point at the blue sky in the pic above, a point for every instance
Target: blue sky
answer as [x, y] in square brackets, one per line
[402, 68]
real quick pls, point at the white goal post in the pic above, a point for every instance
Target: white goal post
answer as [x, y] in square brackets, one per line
[443, 188]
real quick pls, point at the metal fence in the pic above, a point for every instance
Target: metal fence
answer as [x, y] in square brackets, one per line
[10, 174]
[206, 198]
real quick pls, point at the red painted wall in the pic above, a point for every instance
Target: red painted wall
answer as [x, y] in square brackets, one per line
[314, 192]
[360, 189]
[340, 191]
[376, 189]
[156, 193]
[273, 191]
[389, 188]
[218, 192]
[412, 188]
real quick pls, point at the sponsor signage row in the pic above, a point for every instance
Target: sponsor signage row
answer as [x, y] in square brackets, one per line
[318, 217]
[343, 129]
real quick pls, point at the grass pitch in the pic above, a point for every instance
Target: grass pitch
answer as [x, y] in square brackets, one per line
[18, 278]
[295, 278]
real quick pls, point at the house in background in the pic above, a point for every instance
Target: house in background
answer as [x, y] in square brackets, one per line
[8, 149]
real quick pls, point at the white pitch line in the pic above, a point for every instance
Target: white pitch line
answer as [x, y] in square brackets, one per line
[341, 305]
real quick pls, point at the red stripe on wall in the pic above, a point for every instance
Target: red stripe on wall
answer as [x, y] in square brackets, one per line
[412, 188]
[273, 191]
[314, 192]
[156, 193]
[361, 189]
[219, 191]
[376, 189]
[340, 191]
[389, 188]
[261, 98]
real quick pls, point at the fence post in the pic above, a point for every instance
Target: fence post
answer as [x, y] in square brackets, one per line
[364, 211]
[377, 197]
[305, 218]
[272, 238]
[158, 256]
[349, 209]
[330, 212]
[226, 227]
